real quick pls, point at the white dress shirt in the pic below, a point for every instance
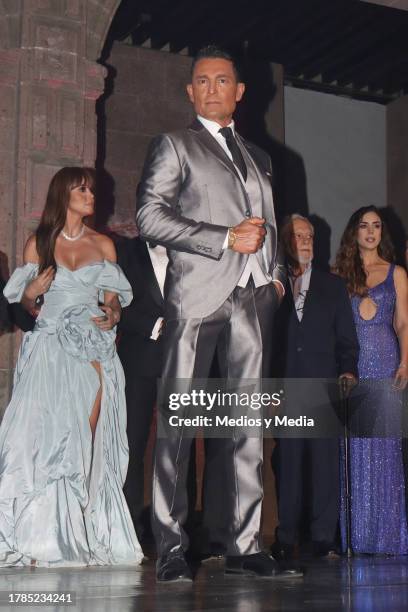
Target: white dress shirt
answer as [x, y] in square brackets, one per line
[300, 286]
[260, 277]
[159, 259]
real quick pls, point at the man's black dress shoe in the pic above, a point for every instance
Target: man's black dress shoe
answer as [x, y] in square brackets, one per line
[215, 552]
[281, 551]
[325, 550]
[259, 564]
[173, 568]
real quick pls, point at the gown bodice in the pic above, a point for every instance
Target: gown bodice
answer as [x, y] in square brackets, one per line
[71, 302]
[379, 349]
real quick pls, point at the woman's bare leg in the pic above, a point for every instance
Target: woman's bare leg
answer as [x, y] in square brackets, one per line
[93, 419]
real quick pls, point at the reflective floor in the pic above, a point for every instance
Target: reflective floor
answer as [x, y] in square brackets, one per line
[366, 584]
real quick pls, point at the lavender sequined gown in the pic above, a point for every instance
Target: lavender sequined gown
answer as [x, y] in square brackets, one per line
[377, 478]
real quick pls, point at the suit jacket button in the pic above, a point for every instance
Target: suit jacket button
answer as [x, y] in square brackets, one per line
[299, 349]
[247, 213]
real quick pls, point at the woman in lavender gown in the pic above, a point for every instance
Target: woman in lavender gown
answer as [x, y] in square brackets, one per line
[379, 296]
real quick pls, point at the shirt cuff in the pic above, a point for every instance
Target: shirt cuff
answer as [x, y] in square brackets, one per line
[156, 329]
[281, 284]
[225, 243]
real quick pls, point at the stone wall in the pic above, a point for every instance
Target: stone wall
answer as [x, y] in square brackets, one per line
[148, 97]
[49, 82]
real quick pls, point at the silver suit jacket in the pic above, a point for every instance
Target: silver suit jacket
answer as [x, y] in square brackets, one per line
[189, 195]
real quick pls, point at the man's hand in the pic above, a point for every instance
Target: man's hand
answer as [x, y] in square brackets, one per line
[249, 235]
[107, 322]
[349, 381]
[40, 284]
[279, 290]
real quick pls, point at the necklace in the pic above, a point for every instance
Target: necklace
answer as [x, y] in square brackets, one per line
[73, 238]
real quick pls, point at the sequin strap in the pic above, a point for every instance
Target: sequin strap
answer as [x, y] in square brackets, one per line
[390, 276]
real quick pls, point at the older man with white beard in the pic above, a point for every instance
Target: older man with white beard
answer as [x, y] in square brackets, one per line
[316, 340]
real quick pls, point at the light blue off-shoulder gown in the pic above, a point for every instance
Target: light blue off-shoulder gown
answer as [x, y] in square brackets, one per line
[61, 499]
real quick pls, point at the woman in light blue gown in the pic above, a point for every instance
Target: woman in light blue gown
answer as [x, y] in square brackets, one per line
[63, 445]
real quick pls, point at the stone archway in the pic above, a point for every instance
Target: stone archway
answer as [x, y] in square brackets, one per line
[49, 83]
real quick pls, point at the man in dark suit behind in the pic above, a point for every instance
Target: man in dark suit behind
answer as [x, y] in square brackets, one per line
[316, 339]
[140, 351]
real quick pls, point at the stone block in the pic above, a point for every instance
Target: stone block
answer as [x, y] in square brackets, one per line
[125, 150]
[6, 174]
[55, 38]
[46, 7]
[156, 116]
[129, 178]
[56, 66]
[93, 46]
[125, 189]
[95, 75]
[40, 104]
[75, 9]
[4, 33]
[99, 14]
[138, 72]
[7, 117]
[177, 75]
[9, 66]
[70, 122]
[122, 112]
[38, 177]
[71, 9]
[56, 49]
[89, 142]
[11, 7]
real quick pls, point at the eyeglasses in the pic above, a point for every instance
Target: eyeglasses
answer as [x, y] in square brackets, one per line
[303, 237]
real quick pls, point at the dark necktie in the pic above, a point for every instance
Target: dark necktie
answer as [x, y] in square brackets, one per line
[235, 150]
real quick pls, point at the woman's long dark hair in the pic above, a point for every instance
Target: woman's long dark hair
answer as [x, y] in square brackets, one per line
[55, 211]
[349, 264]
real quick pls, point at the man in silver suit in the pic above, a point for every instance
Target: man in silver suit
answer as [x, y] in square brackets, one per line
[206, 195]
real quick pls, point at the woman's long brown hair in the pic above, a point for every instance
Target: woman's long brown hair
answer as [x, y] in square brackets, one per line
[349, 264]
[55, 211]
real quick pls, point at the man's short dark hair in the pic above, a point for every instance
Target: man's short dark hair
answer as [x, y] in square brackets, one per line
[215, 52]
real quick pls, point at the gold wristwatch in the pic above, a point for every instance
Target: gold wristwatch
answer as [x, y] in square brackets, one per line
[231, 237]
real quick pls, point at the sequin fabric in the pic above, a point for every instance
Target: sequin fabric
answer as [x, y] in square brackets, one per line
[378, 514]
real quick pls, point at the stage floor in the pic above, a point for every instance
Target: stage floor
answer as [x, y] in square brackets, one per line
[366, 584]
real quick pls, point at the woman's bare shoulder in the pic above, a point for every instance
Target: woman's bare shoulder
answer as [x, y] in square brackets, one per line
[105, 244]
[30, 254]
[400, 275]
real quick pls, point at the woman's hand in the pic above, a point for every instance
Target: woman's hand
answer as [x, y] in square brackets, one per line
[110, 319]
[40, 284]
[401, 377]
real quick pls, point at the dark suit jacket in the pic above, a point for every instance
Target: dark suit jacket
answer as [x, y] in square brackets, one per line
[140, 355]
[324, 344]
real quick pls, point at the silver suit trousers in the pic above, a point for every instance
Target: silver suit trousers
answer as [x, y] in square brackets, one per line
[241, 331]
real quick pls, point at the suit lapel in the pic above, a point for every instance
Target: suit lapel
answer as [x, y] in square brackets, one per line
[310, 296]
[265, 183]
[212, 145]
[148, 272]
[264, 174]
